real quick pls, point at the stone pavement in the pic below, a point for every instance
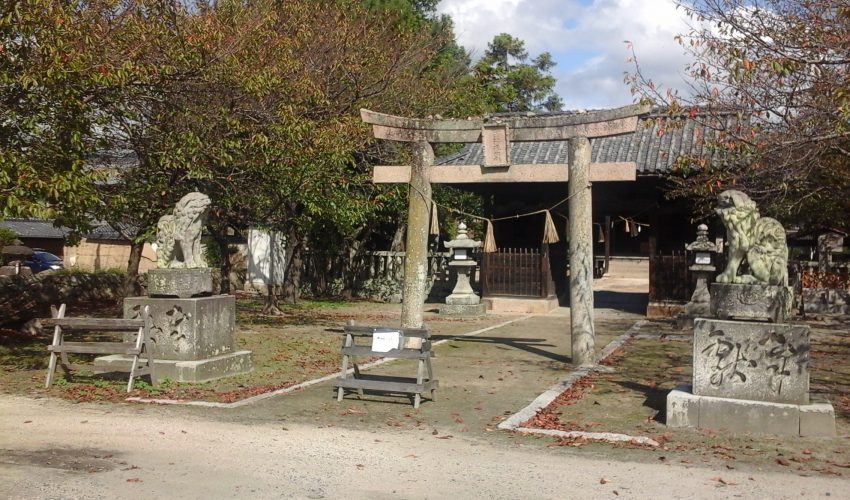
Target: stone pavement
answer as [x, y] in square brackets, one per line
[483, 379]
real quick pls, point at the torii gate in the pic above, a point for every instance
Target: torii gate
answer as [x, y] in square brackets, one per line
[496, 133]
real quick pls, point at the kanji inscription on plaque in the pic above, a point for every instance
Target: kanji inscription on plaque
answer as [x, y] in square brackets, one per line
[496, 143]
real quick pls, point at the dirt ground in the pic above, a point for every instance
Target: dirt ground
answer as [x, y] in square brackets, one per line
[56, 449]
[307, 445]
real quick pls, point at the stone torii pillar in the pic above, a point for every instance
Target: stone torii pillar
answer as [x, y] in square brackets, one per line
[581, 254]
[416, 244]
[497, 133]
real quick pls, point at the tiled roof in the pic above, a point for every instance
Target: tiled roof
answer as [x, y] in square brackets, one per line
[654, 146]
[105, 231]
[34, 228]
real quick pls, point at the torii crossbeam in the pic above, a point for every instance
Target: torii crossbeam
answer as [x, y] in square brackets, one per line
[497, 133]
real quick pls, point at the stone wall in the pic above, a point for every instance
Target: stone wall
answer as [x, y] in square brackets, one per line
[375, 275]
[22, 299]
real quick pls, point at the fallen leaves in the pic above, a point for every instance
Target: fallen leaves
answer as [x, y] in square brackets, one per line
[549, 417]
[843, 466]
[723, 481]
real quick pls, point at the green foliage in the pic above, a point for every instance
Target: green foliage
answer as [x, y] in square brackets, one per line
[7, 236]
[511, 82]
[62, 68]
[142, 385]
[77, 271]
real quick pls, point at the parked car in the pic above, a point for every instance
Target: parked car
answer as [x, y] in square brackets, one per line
[42, 261]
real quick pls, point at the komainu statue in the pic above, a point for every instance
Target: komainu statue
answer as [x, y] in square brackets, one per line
[178, 235]
[759, 240]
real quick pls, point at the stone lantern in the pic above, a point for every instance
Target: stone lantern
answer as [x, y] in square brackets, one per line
[463, 301]
[702, 266]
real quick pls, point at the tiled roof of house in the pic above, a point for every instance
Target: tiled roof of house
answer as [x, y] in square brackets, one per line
[105, 231]
[34, 228]
[654, 146]
[37, 228]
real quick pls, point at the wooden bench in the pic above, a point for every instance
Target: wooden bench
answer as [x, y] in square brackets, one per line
[355, 344]
[138, 348]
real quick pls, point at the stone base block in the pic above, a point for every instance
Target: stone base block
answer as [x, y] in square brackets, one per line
[751, 360]
[202, 370]
[817, 420]
[511, 305]
[684, 409]
[188, 329]
[764, 302]
[463, 310]
[463, 299]
[183, 283]
[664, 309]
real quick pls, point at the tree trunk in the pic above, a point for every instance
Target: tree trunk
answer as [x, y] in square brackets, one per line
[225, 265]
[271, 306]
[354, 266]
[398, 238]
[293, 247]
[132, 287]
[292, 278]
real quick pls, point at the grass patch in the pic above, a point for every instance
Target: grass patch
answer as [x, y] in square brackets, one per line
[632, 400]
[301, 345]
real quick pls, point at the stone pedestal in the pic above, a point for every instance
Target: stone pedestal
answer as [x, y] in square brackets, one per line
[753, 361]
[182, 283]
[700, 303]
[686, 409]
[750, 377]
[192, 338]
[760, 302]
[479, 309]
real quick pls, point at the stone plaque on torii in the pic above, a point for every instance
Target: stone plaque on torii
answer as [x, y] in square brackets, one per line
[496, 133]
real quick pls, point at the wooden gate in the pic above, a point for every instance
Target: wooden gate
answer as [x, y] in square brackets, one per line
[517, 272]
[669, 278]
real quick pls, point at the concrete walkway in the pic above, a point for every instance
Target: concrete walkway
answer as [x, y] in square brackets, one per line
[482, 378]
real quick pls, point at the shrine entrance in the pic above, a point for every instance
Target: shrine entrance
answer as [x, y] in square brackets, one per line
[497, 134]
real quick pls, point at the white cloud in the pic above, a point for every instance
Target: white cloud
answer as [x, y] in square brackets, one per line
[585, 40]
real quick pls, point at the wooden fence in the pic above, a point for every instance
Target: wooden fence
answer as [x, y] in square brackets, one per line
[517, 272]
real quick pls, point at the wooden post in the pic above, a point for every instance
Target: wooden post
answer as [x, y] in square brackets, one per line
[418, 219]
[581, 253]
[607, 234]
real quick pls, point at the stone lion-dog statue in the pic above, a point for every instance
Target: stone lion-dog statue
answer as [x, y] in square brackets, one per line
[178, 235]
[759, 240]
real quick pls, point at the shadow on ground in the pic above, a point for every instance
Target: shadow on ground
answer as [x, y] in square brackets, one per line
[539, 347]
[631, 302]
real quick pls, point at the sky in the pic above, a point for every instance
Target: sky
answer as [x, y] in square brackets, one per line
[586, 39]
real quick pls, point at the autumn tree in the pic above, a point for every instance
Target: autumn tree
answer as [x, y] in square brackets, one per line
[261, 113]
[779, 69]
[55, 80]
